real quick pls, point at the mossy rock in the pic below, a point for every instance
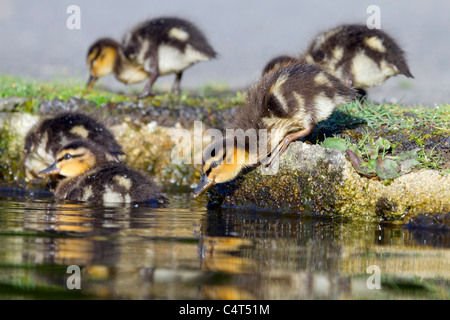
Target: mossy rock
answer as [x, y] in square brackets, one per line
[314, 180]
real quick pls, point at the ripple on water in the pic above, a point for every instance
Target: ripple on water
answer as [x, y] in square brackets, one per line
[184, 251]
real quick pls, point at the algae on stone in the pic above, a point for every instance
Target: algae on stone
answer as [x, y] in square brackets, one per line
[322, 181]
[13, 129]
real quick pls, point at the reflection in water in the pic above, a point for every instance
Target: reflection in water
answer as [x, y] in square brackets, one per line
[185, 252]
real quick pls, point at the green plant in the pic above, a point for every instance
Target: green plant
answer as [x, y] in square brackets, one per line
[372, 158]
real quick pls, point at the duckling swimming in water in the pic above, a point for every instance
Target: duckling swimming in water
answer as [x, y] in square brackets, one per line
[282, 107]
[359, 56]
[45, 139]
[91, 177]
[154, 48]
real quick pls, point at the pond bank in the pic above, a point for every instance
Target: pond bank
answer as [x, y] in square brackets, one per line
[310, 179]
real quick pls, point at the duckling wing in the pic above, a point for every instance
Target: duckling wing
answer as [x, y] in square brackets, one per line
[111, 184]
[179, 33]
[291, 99]
[300, 93]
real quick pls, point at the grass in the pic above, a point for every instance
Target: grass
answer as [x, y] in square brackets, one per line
[392, 117]
[424, 129]
[36, 92]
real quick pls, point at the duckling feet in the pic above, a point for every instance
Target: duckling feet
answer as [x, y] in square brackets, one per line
[285, 143]
[146, 94]
[176, 85]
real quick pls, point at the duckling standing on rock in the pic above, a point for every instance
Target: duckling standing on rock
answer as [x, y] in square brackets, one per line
[154, 48]
[359, 56]
[44, 140]
[91, 177]
[282, 107]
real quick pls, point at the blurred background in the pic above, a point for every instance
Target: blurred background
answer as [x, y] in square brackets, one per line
[246, 33]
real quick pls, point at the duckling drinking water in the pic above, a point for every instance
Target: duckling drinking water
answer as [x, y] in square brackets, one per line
[44, 140]
[91, 177]
[282, 107]
[154, 48]
[359, 56]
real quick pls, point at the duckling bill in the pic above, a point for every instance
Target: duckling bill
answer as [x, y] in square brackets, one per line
[90, 177]
[285, 104]
[154, 48]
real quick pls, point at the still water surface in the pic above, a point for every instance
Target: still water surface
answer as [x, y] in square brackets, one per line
[187, 252]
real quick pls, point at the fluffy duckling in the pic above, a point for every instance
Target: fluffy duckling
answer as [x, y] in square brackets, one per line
[45, 139]
[279, 62]
[154, 48]
[91, 177]
[359, 56]
[282, 107]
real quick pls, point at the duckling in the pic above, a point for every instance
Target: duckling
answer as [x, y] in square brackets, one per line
[282, 107]
[359, 56]
[90, 177]
[44, 140]
[279, 62]
[154, 48]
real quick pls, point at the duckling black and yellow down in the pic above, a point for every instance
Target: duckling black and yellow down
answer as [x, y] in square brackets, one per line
[279, 62]
[91, 177]
[282, 107]
[154, 48]
[359, 56]
[46, 138]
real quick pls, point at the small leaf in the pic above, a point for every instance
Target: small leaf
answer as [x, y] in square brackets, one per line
[413, 154]
[383, 144]
[335, 143]
[372, 166]
[355, 150]
[354, 159]
[359, 165]
[387, 169]
[373, 153]
[407, 165]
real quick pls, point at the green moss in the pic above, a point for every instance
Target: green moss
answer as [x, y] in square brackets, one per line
[286, 191]
[10, 158]
[37, 92]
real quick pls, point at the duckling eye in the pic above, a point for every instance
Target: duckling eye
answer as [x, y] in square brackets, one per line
[214, 164]
[67, 156]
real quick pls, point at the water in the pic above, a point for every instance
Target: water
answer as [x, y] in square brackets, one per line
[186, 252]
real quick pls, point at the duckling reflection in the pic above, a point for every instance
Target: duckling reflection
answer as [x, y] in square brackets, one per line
[216, 254]
[359, 56]
[91, 177]
[286, 104]
[153, 48]
[44, 140]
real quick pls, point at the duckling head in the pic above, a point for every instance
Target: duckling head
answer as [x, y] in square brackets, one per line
[74, 159]
[223, 160]
[101, 59]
